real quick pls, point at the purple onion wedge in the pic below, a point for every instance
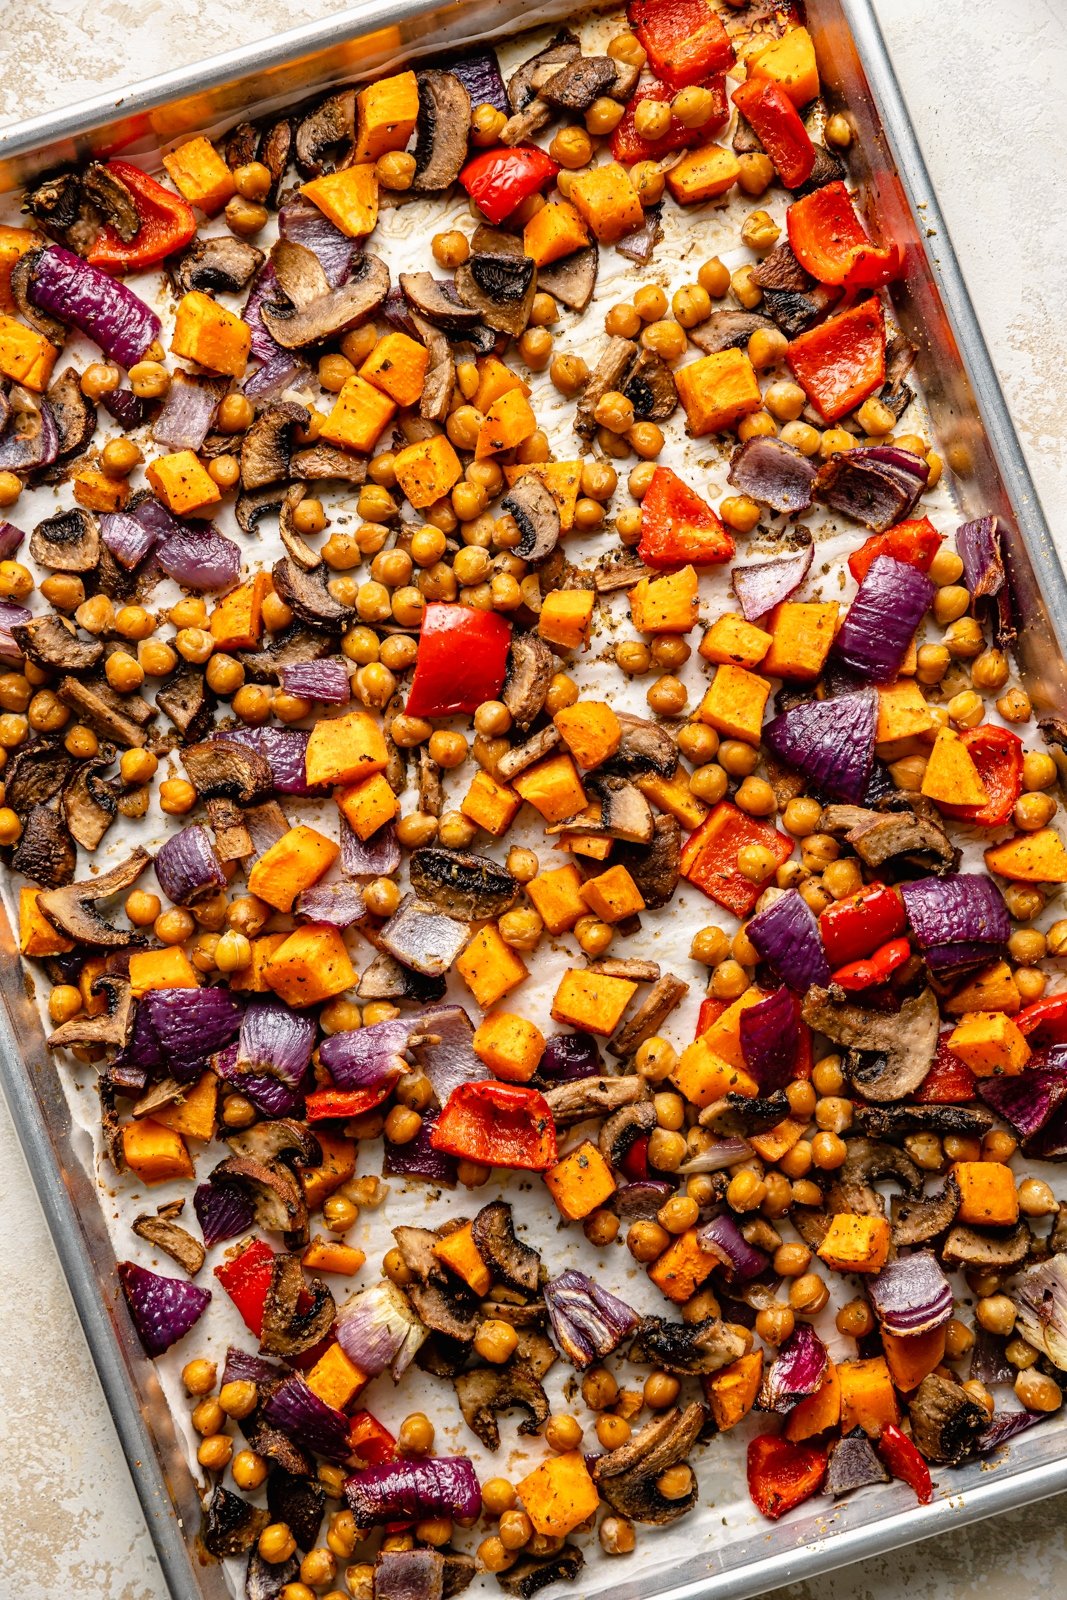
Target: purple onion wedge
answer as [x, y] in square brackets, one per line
[127, 537]
[830, 741]
[318, 680]
[1030, 1100]
[275, 1042]
[877, 486]
[880, 623]
[410, 1491]
[775, 474]
[980, 547]
[1040, 1295]
[184, 420]
[163, 1309]
[796, 1371]
[442, 1043]
[786, 934]
[187, 867]
[301, 221]
[587, 1322]
[223, 1212]
[378, 1328]
[740, 1260]
[368, 1058]
[106, 311]
[11, 616]
[911, 1295]
[761, 585]
[309, 1422]
[340, 904]
[30, 438]
[965, 908]
[478, 70]
[418, 1158]
[192, 1024]
[1005, 1425]
[285, 750]
[770, 1039]
[200, 559]
[570, 1056]
[11, 539]
[377, 857]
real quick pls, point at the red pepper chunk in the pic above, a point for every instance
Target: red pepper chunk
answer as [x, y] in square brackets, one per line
[628, 146]
[462, 659]
[167, 224]
[782, 1475]
[498, 181]
[828, 239]
[998, 756]
[324, 1103]
[709, 859]
[246, 1277]
[370, 1440]
[841, 361]
[710, 1011]
[904, 1462]
[678, 528]
[635, 1162]
[950, 1081]
[776, 123]
[1045, 1022]
[685, 40]
[916, 542]
[853, 928]
[874, 969]
[497, 1125]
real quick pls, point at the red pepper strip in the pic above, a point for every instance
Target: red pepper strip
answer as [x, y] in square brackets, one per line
[462, 659]
[498, 181]
[370, 1440]
[167, 225]
[709, 859]
[1045, 1022]
[828, 239]
[841, 361]
[998, 755]
[497, 1125]
[781, 1475]
[949, 1082]
[710, 1011]
[776, 123]
[323, 1103]
[246, 1278]
[856, 927]
[685, 40]
[876, 968]
[635, 1162]
[628, 146]
[678, 527]
[904, 1462]
[916, 542]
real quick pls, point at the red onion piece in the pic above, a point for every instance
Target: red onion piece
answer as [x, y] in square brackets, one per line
[340, 904]
[301, 221]
[956, 918]
[587, 1322]
[409, 1574]
[419, 1159]
[184, 420]
[283, 370]
[11, 616]
[127, 537]
[411, 1491]
[106, 311]
[1005, 1425]
[163, 1309]
[265, 288]
[830, 741]
[717, 1158]
[127, 408]
[240, 1366]
[10, 540]
[479, 72]
[762, 585]
[980, 546]
[192, 1024]
[644, 1198]
[442, 1042]
[275, 1042]
[876, 486]
[378, 1328]
[273, 1097]
[770, 1039]
[1040, 1295]
[367, 1058]
[911, 1295]
[796, 1371]
[570, 1056]
[377, 857]
[30, 438]
[1030, 1100]
[775, 474]
[223, 1212]
[641, 246]
[318, 680]
[989, 1364]
[880, 623]
[724, 1238]
[187, 867]
[285, 749]
[200, 559]
[298, 1412]
[786, 934]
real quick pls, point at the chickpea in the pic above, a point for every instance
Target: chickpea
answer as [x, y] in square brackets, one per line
[666, 697]
[395, 170]
[756, 796]
[617, 1536]
[665, 339]
[808, 1293]
[1038, 1392]
[1036, 1198]
[646, 1240]
[622, 321]
[176, 796]
[572, 148]
[603, 116]
[756, 173]
[828, 1151]
[614, 412]
[775, 1324]
[276, 1543]
[855, 1320]
[149, 380]
[740, 512]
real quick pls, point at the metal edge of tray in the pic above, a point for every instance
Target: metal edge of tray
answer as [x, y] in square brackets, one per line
[223, 87]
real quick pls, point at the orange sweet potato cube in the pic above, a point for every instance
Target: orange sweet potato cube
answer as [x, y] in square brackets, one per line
[590, 730]
[194, 1112]
[236, 621]
[200, 175]
[338, 1164]
[734, 703]
[988, 1197]
[509, 420]
[555, 231]
[360, 414]
[161, 969]
[557, 898]
[510, 1046]
[559, 1494]
[731, 639]
[330, 1255]
[868, 1399]
[566, 617]
[252, 979]
[495, 378]
[345, 749]
[37, 937]
[292, 864]
[490, 805]
[182, 482]
[397, 365]
[553, 788]
[990, 1042]
[613, 895]
[459, 1252]
[717, 391]
[427, 470]
[154, 1152]
[26, 356]
[580, 1182]
[310, 965]
[802, 632]
[606, 200]
[489, 967]
[703, 174]
[348, 197]
[335, 1378]
[819, 1411]
[674, 796]
[208, 334]
[667, 604]
[593, 1000]
[386, 113]
[94, 490]
[731, 1392]
[369, 805]
[683, 1267]
[856, 1244]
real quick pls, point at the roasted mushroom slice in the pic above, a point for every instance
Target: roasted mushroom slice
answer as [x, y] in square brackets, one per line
[326, 137]
[530, 1574]
[50, 641]
[386, 979]
[650, 388]
[945, 1421]
[89, 801]
[593, 1097]
[615, 361]
[627, 1477]
[500, 288]
[537, 515]
[791, 295]
[889, 1051]
[624, 812]
[621, 1131]
[577, 84]
[893, 1121]
[220, 264]
[919, 1221]
[279, 1140]
[525, 81]
[437, 301]
[572, 280]
[650, 1015]
[277, 1198]
[468, 887]
[268, 444]
[233, 842]
[187, 702]
[529, 673]
[250, 509]
[227, 769]
[645, 747]
[308, 595]
[45, 852]
[295, 647]
[74, 415]
[880, 836]
[231, 1526]
[119, 718]
[987, 1249]
[687, 1347]
[67, 542]
[729, 330]
[173, 1240]
[851, 1191]
[509, 1260]
[524, 755]
[112, 1027]
[441, 131]
[489, 1390]
[73, 909]
[895, 393]
[318, 312]
[325, 461]
[853, 1465]
[112, 199]
[656, 866]
[288, 1331]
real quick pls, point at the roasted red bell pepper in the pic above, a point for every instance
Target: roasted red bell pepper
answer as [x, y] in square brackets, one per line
[710, 1011]
[904, 1462]
[497, 1125]
[685, 40]
[875, 968]
[998, 755]
[246, 1278]
[828, 239]
[498, 181]
[777, 125]
[370, 1440]
[841, 361]
[853, 928]
[1045, 1022]
[628, 146]
[949, 1082]
[709, 859]
[916, 542]
[462, 659]
[678, 528]
[324, 1103]
[635, 1162]
[782, 1475]
[167, 224]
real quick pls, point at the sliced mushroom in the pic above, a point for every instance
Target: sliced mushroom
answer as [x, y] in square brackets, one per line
[489, 1390]
[267, 446]
[624, 813]
[188, 704]
[45, 852]
[120, 718]
[447, 1309]
[524, 81]
[52, 642]
[112, 1027]
[112, 199]
[655, 867]
[20, 280]
[441, 131]
[241, 144]
[437, 302]
[90, 802]
[500, 288]
[919, 1221]
[537, 515]
[687, 1347]
[288, 1331]
[650, 388]
[222, 264]
[728, 330]
[649, 1017]
[295, 647]
[576, 85]
[35, 773]
[509, 1260]
[74, 415]
[811, 1224]
[531, 665]
[56, 202]
[987, 1249]
[530, 1574]
[572, 280]
[325, 461]
[895, 393]
[621, 1131]
[945, 1421]
[468, 887]
[326, 137]
[615, 361]
[851, 1191]
[318, 312]
[593, 1097]
[296, 546]
[630, 967]
[893, 1121]
[739, 1115]
[73, 909]
[231, 1526]
[889, 1052]
[521, 756]
[431, 788]
[276, 145]
[880, 836]
[176, 1242]
[386, 979]
[67, 542]
[230, 770]
[233, 842]
[645, 747]
[307, 594]
[277, 1198]
[279, 1140]
[627, 1477]
[791, 295]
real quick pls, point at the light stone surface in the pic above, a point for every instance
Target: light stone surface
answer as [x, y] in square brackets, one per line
[984, 83]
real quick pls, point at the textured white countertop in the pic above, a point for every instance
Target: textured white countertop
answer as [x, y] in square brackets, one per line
[985, 85]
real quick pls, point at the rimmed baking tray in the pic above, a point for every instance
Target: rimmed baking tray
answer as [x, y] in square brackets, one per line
[988, 473]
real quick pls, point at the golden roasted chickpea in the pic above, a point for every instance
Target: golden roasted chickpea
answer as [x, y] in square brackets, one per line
[665, 339]
[652, 119]
[245, 217]
[691, 305]
[760, 232]
[714, 277]
[603, 116]
[395, 170]
[740, 512]
[648, 181]
[745, 288]
[755, 172]
[694, 107]
[486, 123]
[535, 348]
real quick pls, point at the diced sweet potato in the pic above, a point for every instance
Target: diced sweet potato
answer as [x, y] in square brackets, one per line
[182, 482]
[236, 622]
[294, 863]
[989, 1042]
[988, 1197]
[194, 1112]
[667, 604]
[427, 470]
[703, 1076]
[369, 805]
[592, 1000]
[584, 845]
[348, 197]
[330, 1255]
[510, 1046]
[951, 776]
[566, 617]
[607, 201]
[683, 1267]
[613, 895]
[993, 988]
[732, 640]
[557, 898]
[731, 1392]
[508, 422]
[777, 1141]
[580, 1182]
[14, 244]
[397, 365]
[252, 979]
[161, 969]
[495, 378]
[335, 1379]
[553, 788]
[459, 1252]
[312, 964]
[490, 805]
[703, 174]
[37, 937]
[903, 713]
[734, 703]
[868, 1399]
[554, 232]
[94, 490]
[559, 1494]
[913, 1358]
[26, 356]
[200, 175]
[489, 967]
[802, 632]
[717, 391]
[1030, 858]
[208, 334]
[790, 63]
[590, 730]
[360, 414]
[157, 1154]
[819, 1411]
[674, 797]
[345, 749]
[338, 1164]
[386, 113]
[856, 1244]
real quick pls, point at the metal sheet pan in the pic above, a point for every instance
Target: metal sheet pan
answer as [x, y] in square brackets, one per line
[975, 434]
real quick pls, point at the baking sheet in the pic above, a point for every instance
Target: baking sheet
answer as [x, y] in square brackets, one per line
[726, 1524]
